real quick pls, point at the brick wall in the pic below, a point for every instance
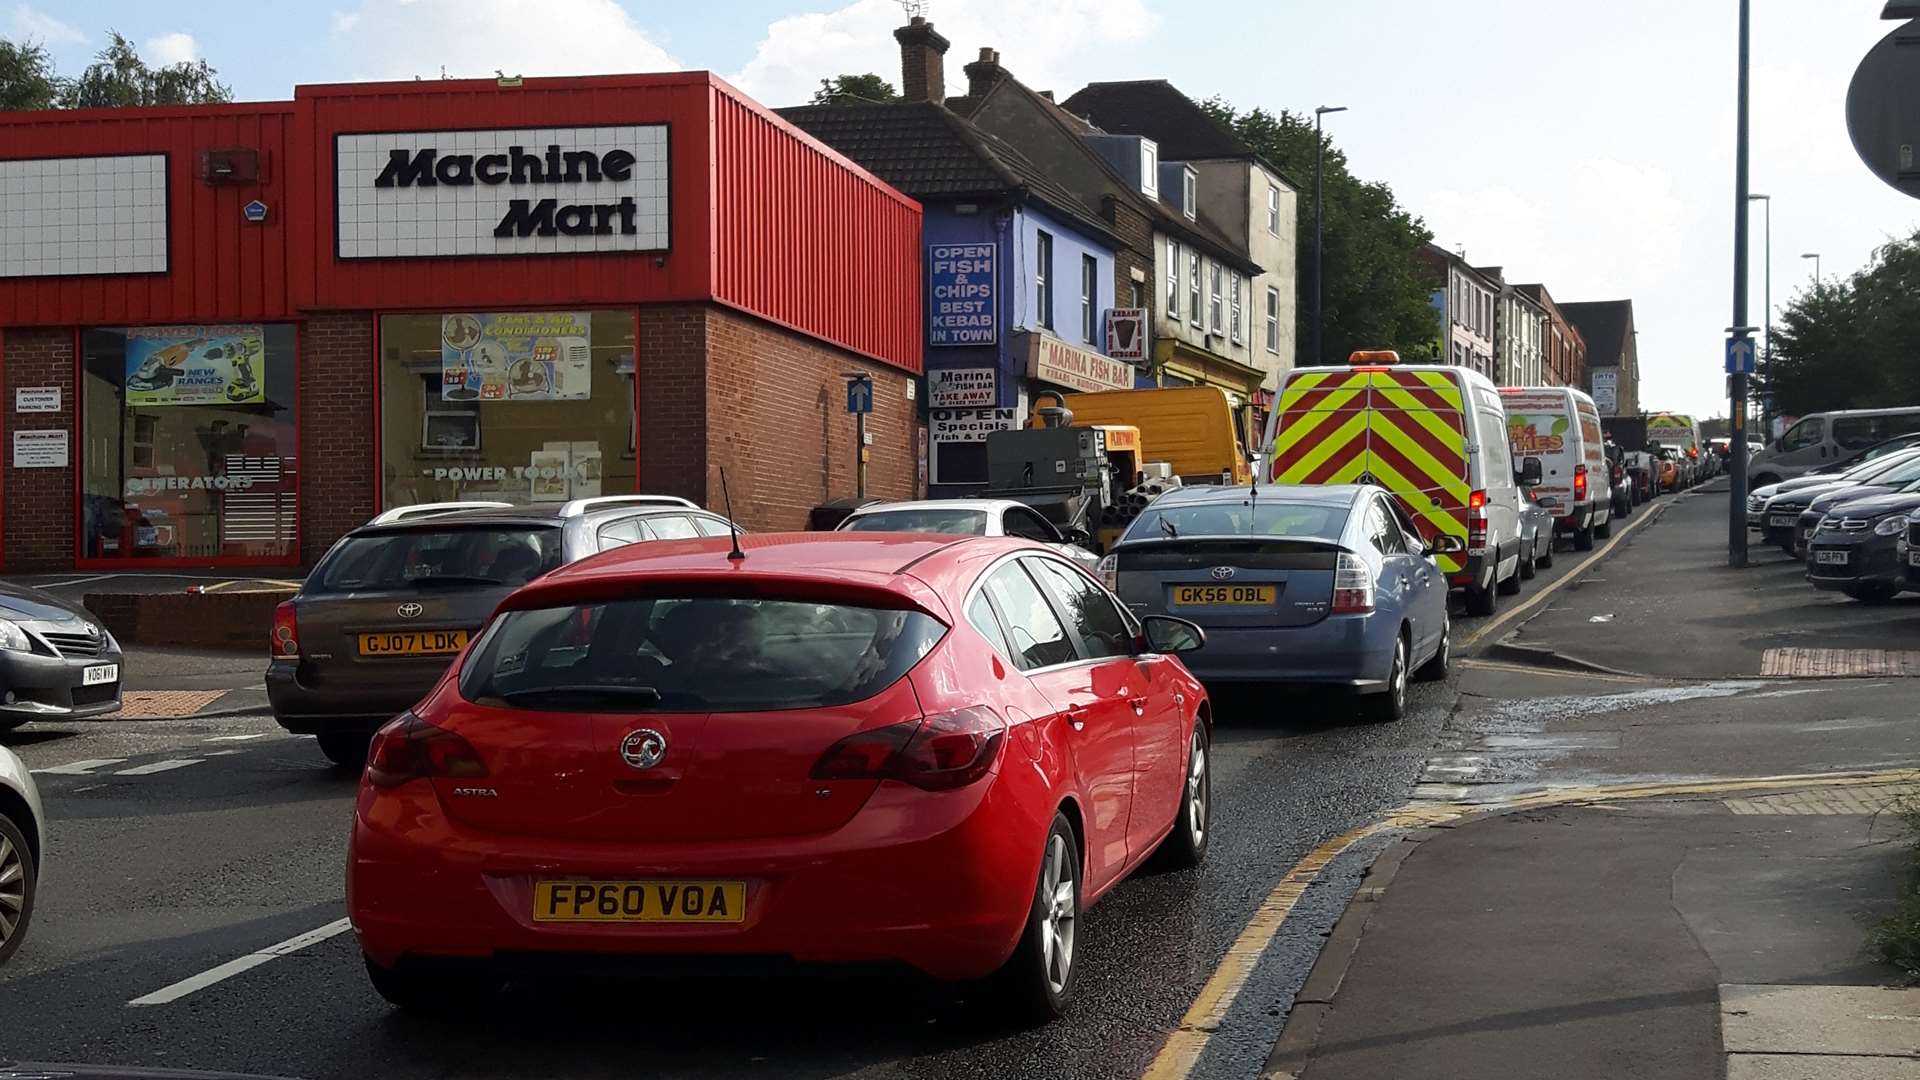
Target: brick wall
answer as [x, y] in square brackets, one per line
[673, 401]
[777, 421]
[336, 429]
[39, 502]
[1136, 232]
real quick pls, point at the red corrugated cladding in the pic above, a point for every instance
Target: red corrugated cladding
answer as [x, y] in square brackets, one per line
[764, 219]
[806, 238]
[219, 266]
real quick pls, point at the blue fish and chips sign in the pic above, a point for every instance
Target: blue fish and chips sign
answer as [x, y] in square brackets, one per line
[962, 294]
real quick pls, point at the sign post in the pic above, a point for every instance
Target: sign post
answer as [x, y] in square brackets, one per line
[1740, 344]
[860, 403]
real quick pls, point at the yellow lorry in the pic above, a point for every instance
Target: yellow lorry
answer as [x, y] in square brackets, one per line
[1194, 429]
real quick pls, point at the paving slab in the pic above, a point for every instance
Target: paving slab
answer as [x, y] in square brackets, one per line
[1838, 1020]
[1815, 1067]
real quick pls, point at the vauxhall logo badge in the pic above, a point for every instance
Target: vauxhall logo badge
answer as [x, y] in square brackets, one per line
[427, 167]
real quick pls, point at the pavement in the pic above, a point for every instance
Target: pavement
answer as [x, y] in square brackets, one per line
[1650, 862]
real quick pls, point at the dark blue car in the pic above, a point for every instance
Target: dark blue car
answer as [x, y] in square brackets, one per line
[1319, 585]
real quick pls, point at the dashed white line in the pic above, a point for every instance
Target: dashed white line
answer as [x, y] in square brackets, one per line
[159, 766]
[78, 768]
[240, 738]
[196, 983]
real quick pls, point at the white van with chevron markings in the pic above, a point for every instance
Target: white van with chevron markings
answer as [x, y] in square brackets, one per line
[1434, 435]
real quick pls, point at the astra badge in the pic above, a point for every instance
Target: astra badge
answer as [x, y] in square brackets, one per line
[410, 610]
[643, 749]
[1223, 573]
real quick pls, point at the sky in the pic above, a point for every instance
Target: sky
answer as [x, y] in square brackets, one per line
[1589, 146]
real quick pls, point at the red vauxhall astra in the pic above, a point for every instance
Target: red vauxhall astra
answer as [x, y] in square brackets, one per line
[839, 749]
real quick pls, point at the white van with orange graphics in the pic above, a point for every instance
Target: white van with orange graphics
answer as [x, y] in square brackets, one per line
[1560, 426]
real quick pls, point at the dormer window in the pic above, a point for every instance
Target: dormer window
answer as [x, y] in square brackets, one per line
[1149, 169]
[1190, 192]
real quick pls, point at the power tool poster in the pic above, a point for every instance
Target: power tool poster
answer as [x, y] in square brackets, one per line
[195, 365]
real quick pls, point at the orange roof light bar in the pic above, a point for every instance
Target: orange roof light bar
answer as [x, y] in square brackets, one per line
[1374, 356]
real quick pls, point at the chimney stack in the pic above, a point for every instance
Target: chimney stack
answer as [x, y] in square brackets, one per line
[984, 72]
[923, 65]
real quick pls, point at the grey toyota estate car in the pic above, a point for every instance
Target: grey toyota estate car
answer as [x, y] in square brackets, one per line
[383, 612]
[56, 660]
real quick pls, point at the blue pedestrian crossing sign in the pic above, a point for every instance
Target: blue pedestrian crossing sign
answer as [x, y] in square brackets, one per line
[1740, 354]
[860, 395]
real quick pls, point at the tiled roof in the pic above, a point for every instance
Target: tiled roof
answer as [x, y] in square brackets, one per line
[1156, 109]
[1605, 324]
[928, 152]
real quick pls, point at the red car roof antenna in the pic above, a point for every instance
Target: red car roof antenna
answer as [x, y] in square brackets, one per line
[733, 531]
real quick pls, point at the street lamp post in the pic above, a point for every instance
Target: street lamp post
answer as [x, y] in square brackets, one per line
[1319, 218]
[1815, 256]
[1737, 382]
[1767, 352]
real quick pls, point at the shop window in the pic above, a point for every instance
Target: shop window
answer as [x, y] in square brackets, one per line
[189, 443]
[522, 407]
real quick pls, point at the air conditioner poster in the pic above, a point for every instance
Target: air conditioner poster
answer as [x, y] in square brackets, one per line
[516, 356]
[195, 365]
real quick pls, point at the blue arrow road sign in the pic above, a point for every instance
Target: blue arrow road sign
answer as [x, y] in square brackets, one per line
[1740, 356]
[860, 395]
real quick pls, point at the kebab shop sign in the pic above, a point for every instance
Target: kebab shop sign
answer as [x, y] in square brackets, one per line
[1051, 360]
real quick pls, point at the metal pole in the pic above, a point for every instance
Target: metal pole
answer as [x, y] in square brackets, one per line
[1766, 421]
[1319, 228]
[1737, 385]
[860, 455]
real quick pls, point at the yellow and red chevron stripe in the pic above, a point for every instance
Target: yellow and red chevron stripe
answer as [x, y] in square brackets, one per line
[1402, 428]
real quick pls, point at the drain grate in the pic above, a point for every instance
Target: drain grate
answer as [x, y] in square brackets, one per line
[1837, 663]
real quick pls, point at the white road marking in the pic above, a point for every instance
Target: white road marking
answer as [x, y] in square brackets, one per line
[195, 983]
[78, 768]
[240, 738]
[221, 753]
[158, 766]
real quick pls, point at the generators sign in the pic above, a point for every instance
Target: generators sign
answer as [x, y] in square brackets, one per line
[436, 194]
[962, 294]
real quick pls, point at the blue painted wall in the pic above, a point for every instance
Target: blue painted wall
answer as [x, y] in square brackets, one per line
[1069, 245]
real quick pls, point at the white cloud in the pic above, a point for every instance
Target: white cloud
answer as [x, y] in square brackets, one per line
[165, 50]
[474, 38]
[32, 24]
[1047, 44]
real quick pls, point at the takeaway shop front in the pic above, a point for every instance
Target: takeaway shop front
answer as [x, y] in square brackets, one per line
[231, 333]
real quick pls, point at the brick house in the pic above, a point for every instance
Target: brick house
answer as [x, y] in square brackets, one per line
[266, 322]
[1613, 354]
[1563, 351]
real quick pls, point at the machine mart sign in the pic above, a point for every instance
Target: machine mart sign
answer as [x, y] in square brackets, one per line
[436, 194]
[962, 294]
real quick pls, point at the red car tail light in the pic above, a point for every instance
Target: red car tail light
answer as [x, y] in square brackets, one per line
[1579, 481]
[1352, 586]
[409, 748]
[937, 753]
[286, 631]
[1477, 520]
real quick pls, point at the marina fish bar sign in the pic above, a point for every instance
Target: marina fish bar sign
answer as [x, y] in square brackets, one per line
[439, 194]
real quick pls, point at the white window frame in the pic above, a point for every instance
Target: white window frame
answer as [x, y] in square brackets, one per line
[1149, 169]
[1273, 210]
[1173, 279]
[1195, 270]
[1273, 320]
[1089, 297]
[1043, 277]
[1216, 300]
[1190, 193]
[1233, 309]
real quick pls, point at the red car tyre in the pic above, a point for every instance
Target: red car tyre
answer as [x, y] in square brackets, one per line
[1038, 979]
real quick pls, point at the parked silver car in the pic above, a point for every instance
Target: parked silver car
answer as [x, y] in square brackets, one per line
[969, 517]
[56, 660]
[22, 842]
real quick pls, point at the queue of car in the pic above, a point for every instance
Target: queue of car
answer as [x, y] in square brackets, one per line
[1851, 520]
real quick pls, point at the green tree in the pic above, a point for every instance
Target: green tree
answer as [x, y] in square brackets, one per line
[844, 89]
[1849, 344]
[118, 77]
[27, 79]
[1376, 293]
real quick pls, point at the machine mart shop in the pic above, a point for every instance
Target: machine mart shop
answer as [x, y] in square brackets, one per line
[231, 333]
